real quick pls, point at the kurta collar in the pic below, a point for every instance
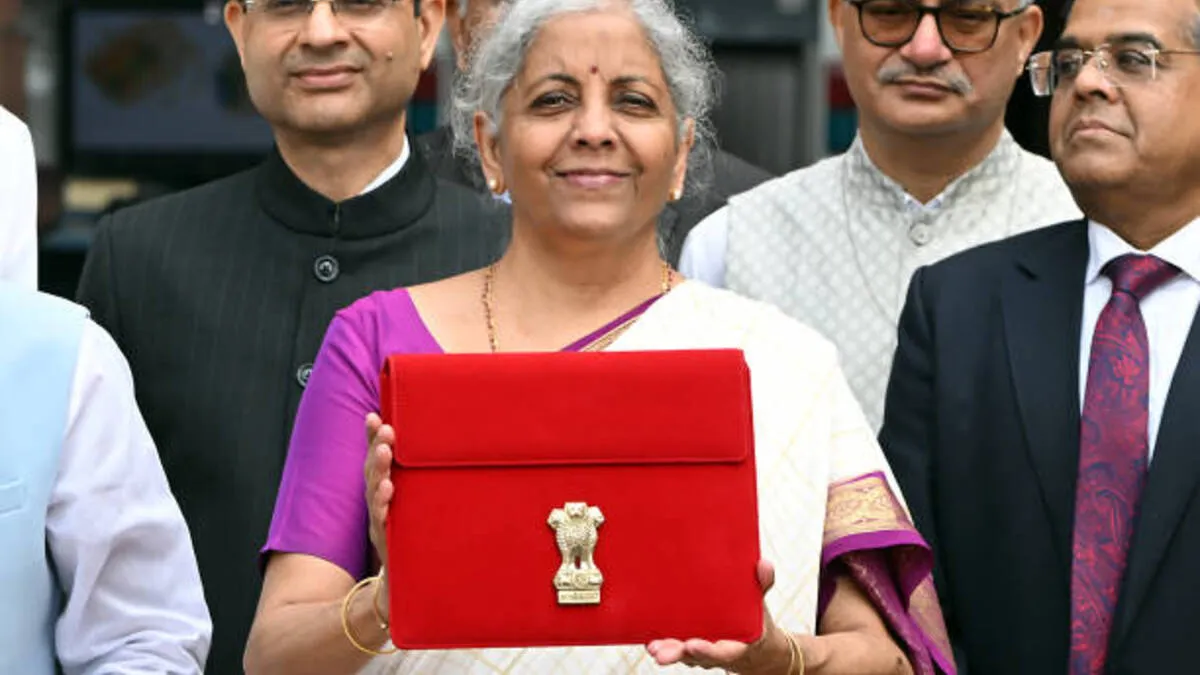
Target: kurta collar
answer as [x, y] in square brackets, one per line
[869, 184]
[396, 204]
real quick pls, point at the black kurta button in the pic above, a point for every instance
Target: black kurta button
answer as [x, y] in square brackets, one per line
[326, 269]
[302, 374]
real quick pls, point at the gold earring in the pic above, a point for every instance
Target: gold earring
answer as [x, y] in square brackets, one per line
[676, 194]
[492, 184]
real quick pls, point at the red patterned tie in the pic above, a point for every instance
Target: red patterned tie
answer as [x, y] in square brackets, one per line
[1113, 455]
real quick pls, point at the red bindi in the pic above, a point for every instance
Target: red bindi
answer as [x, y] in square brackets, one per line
[595, 70]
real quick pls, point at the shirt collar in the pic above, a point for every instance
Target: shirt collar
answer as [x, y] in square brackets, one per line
[1181, 249]
[391, 171]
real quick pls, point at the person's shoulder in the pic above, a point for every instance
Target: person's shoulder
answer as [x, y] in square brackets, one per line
[981, 264]
[1045, 189]
[183, 208]
[436, 148]
[464, 205]
[783, 189]
[757, 324]
[733, 175]
[12, 128]
[435, 142]
[17, 295]
[25, 311]
[374, 308]
[389, 306]
[366, 320]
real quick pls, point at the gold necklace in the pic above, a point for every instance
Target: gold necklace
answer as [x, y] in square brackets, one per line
[488, 298]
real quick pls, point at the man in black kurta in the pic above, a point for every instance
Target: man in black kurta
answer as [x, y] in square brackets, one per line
[220, 296]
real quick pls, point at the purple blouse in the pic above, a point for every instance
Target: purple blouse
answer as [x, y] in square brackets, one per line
[321, 509]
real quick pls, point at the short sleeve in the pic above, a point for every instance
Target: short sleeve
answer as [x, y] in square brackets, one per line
[321, 509]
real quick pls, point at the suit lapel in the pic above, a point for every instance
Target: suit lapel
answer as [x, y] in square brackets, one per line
[1170, 485]
[1042, 304]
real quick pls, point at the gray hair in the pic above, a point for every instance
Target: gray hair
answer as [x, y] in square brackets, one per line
[1194, 32]
[497, 59]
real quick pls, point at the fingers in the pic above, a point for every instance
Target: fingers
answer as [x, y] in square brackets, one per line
[697, 653]
[666, 652]
[720, 653]
[379, 436]
[380, 502]
[374, 421]
[766, 575]
[377, 476]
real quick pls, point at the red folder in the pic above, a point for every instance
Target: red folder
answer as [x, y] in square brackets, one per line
[571, 499]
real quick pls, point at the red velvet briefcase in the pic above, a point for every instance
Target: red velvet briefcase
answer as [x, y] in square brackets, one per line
[571, 499]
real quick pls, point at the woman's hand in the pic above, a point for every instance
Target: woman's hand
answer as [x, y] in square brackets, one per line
[770, 655]
[377, 471]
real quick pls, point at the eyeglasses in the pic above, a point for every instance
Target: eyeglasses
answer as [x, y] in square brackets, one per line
[1122, 65]
[964, 28]
[296, 11]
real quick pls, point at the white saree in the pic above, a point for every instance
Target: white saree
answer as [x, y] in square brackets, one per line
[809, 435]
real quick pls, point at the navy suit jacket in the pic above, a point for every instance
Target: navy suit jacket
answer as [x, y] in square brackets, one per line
[982, 430]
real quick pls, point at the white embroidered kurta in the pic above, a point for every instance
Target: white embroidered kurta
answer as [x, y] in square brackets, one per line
[808, 433]
[835, 244]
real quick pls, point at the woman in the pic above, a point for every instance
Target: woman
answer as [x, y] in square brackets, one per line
[585, 112]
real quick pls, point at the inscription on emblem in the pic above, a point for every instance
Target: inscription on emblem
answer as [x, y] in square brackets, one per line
[578, 580]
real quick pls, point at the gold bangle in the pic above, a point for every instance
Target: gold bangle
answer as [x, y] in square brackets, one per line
[383, 623]
[346, 620]
[796, 665]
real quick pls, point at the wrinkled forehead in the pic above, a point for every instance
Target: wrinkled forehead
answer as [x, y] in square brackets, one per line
[1161, 23]
[609, 44]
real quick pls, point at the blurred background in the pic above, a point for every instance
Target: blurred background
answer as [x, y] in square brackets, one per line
[130, 99]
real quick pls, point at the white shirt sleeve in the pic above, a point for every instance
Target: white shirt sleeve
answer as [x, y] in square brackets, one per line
[133, 598]
[18, 195]
[703, 256]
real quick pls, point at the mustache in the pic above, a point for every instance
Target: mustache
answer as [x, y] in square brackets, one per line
[956, 82]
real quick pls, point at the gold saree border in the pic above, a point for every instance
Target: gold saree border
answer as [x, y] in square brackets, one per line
[863, 505]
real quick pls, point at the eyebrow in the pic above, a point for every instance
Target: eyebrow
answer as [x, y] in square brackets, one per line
[557, 77]
[570, 80]
[1068, 42]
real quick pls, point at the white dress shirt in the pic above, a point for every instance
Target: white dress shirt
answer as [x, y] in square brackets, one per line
[391, 171]
[133, 601]
[1167, 311]
[18, 202]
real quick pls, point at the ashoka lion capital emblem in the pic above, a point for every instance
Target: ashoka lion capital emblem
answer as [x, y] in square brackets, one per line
[578, 580]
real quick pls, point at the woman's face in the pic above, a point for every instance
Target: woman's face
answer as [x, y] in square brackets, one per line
[588, 142]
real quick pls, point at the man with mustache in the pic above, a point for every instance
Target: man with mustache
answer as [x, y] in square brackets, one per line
[220, 296]
[724, 174]
[1041, 416]
[933, 171]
